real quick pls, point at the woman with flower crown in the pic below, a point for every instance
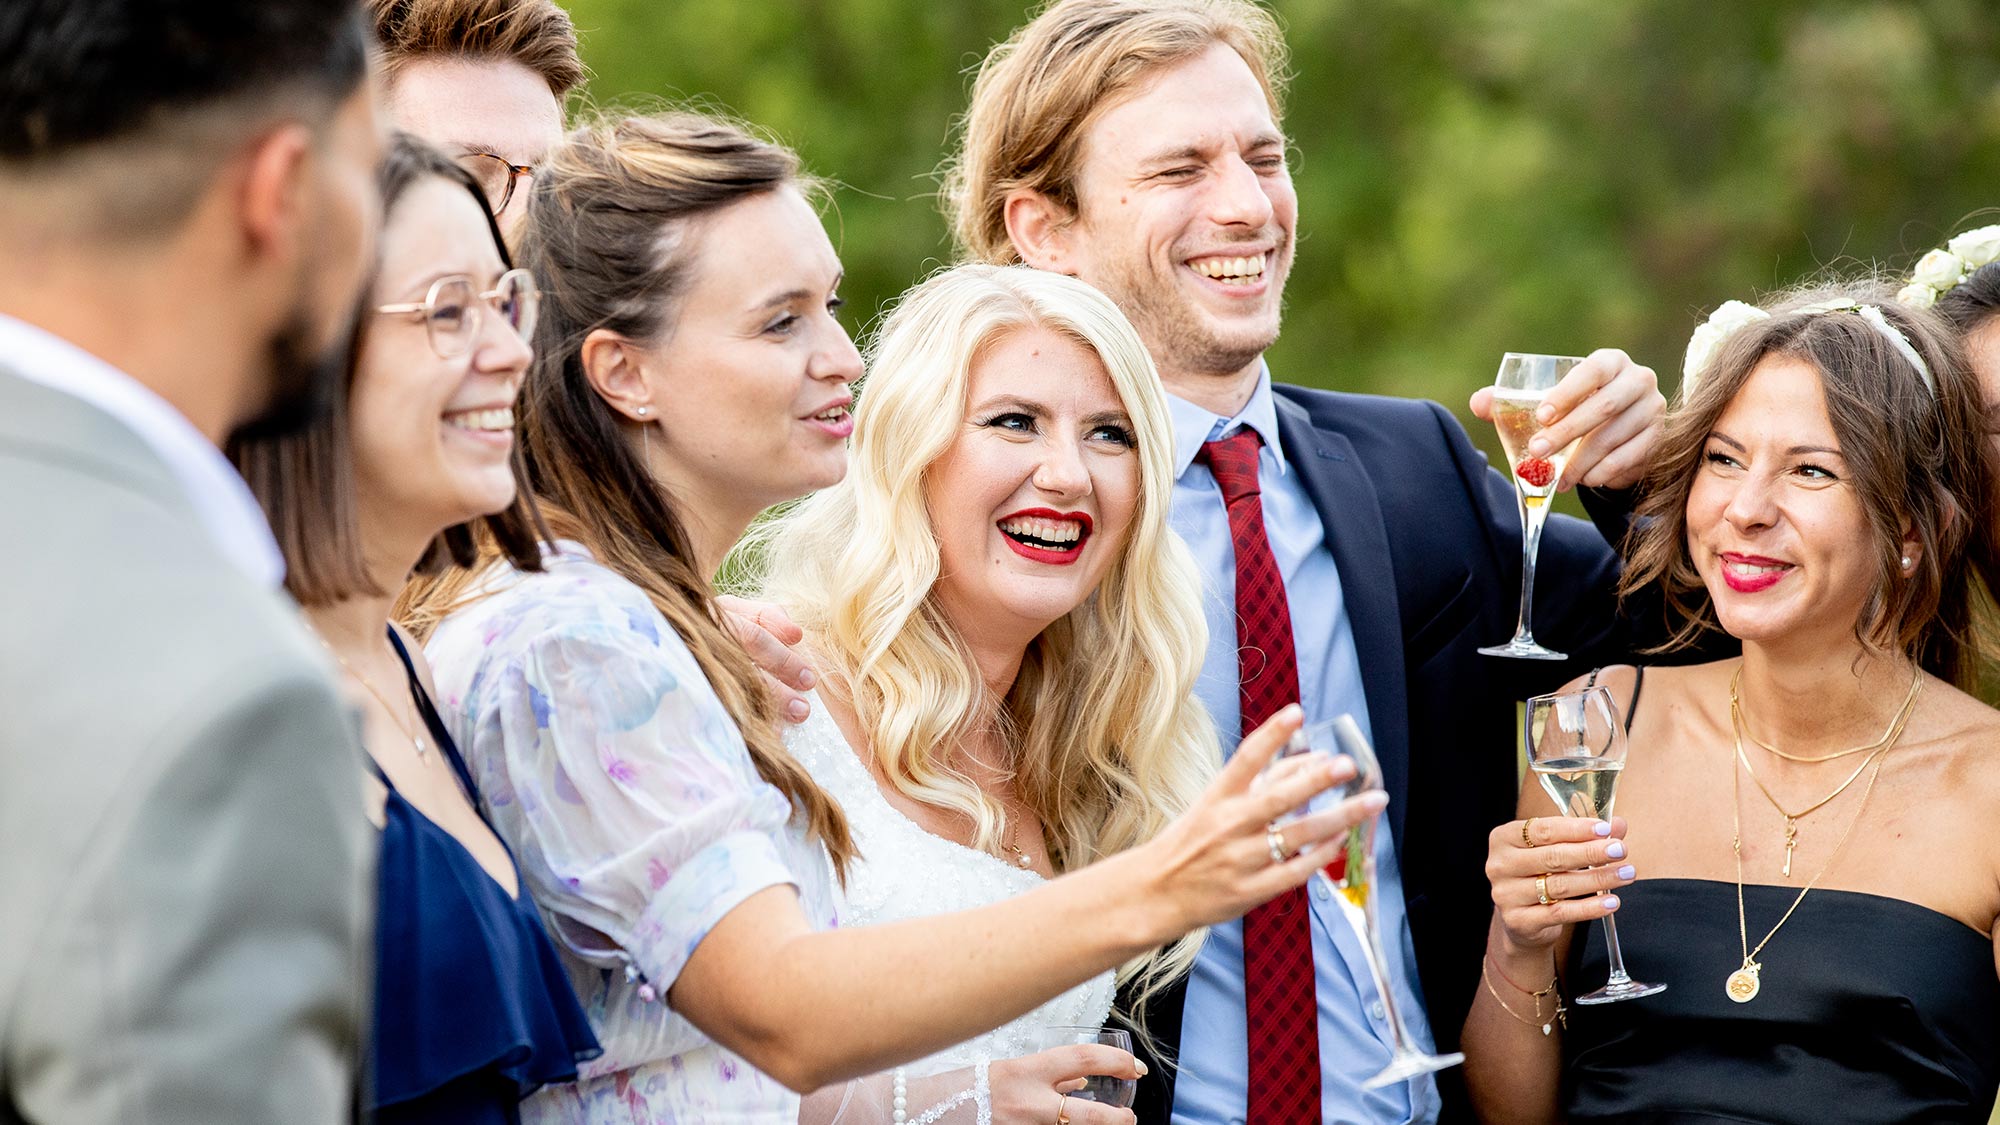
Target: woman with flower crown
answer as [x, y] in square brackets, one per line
[1961, 279]
[1817, 822]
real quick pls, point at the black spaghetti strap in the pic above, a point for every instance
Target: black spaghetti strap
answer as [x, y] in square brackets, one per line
[1638, 684]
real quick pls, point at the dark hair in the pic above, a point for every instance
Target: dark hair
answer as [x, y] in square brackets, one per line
[305, 481]
[535, 33]
[79, 73]
[1973, 301]
[608, 234]
[1913, 454]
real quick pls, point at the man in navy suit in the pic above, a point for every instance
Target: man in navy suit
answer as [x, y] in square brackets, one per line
[1137, 144]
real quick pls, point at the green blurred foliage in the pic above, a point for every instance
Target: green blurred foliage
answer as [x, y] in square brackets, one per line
[1475, 176]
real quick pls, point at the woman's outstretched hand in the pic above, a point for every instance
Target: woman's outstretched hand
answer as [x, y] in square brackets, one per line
[1216, 860]
[1573, 857]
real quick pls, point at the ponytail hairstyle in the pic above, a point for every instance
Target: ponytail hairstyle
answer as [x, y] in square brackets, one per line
[611, 233]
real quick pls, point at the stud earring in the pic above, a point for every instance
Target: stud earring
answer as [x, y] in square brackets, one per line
[645, 410]
[1908, 562]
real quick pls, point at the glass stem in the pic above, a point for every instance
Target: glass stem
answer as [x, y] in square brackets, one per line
[1370, 932]
[1532, 517]
[1617, 955]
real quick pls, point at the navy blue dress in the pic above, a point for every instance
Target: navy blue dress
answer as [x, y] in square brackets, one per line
[473, 1011]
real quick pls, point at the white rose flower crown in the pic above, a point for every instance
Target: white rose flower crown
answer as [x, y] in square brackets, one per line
[1948, 265]
[1733, 316]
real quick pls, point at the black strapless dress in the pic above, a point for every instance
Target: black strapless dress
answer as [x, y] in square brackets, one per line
[1872, 1010]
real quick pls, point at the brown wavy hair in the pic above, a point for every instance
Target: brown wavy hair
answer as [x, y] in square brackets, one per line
[1912, 454]
[538, 34]
[609, 234]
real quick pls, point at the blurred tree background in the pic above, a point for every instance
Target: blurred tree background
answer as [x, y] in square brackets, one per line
[1475, 176]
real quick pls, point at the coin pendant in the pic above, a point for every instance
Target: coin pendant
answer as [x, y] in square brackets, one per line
[1743, 985]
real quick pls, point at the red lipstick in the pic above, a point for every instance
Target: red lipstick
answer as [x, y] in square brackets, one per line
[1752, 583]
[1052, 555]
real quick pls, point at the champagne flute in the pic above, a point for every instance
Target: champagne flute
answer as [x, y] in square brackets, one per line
[1099, 1088]
[1576, 748]
[1351, 873]
[1518, 390]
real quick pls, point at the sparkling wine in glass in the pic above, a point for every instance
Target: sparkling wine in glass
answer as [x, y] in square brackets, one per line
[1351, 873]
[1576, 748]
[1524, 381]
[1099, 1088]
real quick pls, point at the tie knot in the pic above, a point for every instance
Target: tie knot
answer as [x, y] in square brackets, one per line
[1233, 463]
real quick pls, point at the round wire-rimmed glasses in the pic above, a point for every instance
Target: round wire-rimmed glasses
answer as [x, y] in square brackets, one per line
[496, 176]
[452, 308]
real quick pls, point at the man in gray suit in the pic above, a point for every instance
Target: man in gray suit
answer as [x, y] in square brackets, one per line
[186, 209]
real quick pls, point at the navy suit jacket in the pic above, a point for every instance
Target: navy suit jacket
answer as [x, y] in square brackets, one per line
[1427, 539]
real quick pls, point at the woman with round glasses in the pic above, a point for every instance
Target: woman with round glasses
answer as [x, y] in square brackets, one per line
[472, 1009]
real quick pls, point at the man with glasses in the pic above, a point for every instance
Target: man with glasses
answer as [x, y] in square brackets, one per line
[484, 80]
[187, 205]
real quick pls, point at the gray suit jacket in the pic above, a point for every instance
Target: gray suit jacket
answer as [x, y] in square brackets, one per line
[185, 863]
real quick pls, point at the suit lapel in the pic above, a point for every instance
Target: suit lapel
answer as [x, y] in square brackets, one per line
[1351, 515]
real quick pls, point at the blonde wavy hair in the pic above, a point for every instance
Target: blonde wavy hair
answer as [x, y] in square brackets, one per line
[1109, 742]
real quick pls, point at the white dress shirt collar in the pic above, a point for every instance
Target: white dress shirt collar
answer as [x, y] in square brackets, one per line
[1194, 425]
[228, 512]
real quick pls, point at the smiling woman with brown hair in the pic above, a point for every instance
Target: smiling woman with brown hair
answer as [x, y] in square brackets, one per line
[1817, 822]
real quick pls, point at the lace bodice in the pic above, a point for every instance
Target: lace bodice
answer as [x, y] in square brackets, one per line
[907, 872]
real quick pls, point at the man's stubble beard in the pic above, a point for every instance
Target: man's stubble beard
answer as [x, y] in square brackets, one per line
[303, 379]
[1173, 329]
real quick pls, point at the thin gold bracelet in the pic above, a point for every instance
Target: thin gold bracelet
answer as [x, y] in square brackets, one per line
[1559, 1018]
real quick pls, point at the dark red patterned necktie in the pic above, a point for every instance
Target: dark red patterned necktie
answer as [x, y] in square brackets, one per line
[1280, 1004]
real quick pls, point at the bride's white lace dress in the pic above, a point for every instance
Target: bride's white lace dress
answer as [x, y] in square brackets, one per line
[906, 872]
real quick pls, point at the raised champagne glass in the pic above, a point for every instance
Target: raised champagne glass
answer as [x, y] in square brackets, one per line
[1518, 391]
[1350, 872]
[1576, 749]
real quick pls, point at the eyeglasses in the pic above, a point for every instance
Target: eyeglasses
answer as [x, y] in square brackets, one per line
[451, 309]
[496, 176]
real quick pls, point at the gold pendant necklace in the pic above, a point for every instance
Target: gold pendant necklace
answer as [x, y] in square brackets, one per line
[1739, 729]
[423, 748]
[1744, 984]
[1019, 853]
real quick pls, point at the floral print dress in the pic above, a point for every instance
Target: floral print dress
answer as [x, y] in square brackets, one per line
[607, 762]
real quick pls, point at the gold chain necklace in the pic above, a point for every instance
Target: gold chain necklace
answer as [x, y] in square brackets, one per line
[1020, 854]
[1888, 735]
[1744, 984]
[423, 748]
[1792, 818]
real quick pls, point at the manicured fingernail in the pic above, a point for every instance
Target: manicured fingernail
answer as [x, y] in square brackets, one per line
[1628, 871]
[1538, 448]
[1375, 800]
[1291, 711]
[1602, 828]
[806, 679]
[797, 710]
[1547, 414]
[1141, 1066]
[1615, 849]
[1610, 903]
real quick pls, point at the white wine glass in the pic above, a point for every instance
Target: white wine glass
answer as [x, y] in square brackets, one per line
[1100, 1088]
[1519, 389]
[1576, 748]
[1350, 872]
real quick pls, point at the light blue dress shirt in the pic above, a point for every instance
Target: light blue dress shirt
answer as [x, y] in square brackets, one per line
[1211, 1088]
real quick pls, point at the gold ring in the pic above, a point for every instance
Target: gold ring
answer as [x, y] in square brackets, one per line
[1525, 841]
[1062, 1109]
[1542, 889]
[1274, 838]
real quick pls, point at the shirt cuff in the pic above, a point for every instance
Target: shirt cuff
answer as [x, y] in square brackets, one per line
[713, 882]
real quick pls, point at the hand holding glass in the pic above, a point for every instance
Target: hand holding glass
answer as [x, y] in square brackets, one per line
[1576, 748]
[1350, 872]
[1102, 1089]
[1518, 392]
